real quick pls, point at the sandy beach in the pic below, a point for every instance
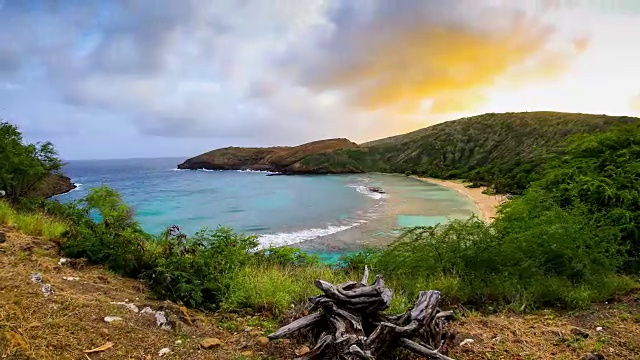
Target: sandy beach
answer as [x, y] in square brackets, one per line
[487, 204]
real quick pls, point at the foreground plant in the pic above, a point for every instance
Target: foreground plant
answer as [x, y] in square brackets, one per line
[352, 325]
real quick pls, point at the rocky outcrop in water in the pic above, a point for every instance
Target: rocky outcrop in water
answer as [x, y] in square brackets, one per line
[283, 159]
[52, 185]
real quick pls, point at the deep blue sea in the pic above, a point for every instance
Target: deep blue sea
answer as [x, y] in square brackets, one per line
[321, 212]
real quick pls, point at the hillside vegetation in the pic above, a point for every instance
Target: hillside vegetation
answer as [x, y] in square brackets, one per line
[500, 150]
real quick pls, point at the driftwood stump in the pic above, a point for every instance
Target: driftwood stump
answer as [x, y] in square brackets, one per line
[349, 323]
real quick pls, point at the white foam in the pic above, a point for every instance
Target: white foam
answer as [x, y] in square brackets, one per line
[283, 239]
[365, 191]
[249, 171]
[77, 187]
[256, 171]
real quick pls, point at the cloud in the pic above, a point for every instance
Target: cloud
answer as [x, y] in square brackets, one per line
[280, 72]
[635, 102]
[396, 54]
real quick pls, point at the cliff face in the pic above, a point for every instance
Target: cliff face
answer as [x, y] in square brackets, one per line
[283, 159]
[52, 185]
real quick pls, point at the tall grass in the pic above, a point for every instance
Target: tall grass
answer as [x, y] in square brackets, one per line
[33, 224]
[272, 287]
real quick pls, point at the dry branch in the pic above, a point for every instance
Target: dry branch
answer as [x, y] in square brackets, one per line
[353, 326]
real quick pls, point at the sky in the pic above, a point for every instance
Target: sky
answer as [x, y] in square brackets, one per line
[173, 78]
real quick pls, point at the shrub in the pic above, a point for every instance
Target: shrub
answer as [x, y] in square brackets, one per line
[197, 270]
[355, 262]
[286, 256]
[116, 240]
[534, 255]
[23, 165]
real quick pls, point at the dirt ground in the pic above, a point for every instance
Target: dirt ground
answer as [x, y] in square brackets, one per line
[71, 320]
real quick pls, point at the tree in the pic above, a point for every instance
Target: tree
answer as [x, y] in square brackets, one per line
[23, 165]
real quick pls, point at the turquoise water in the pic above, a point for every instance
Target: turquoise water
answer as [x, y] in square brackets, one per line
[326, 214]
[419, 220]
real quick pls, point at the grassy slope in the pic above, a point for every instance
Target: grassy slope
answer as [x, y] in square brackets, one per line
[61, 326]
[489, 147]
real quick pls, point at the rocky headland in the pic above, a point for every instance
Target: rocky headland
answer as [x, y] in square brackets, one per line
[282, 159]
[52, 185]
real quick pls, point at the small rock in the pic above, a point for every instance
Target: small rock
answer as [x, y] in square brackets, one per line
[164, 351]
[579, 332]
[111, 319]
[62, 261]
[466, 342]
[593, 356]
[131, 307]
[599, 328]
[3, 237]
[70, 278]
[178, 342]
[161, 320]
[303, 350]
[36, 277]
[210, 343]
[262, 340]
[247, 353]
[147, 310]
[46, 289]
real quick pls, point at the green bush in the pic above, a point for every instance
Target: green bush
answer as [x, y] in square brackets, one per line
[286, 256]
[197, 270]
[535, 255]
[116, 240]
[601, 173]
[24, 166]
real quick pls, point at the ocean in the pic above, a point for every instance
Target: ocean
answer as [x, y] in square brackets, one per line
[326, 214]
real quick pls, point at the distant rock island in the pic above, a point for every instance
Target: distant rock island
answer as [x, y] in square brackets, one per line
[281, 159]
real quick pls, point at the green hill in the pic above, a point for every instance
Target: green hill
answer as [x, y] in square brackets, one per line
[501, 150]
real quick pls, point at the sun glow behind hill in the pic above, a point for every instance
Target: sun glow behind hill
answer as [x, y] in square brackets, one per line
[602, 79]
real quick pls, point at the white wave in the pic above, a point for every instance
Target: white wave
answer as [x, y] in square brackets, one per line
[365, 191]
[256, 171]
[283, 239]
[77, 187]
[208, 170]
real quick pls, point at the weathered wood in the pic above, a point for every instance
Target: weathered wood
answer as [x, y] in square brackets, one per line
[422, 350]
[353, 326]
[365, 277]
[318, 350]
[300, 324]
